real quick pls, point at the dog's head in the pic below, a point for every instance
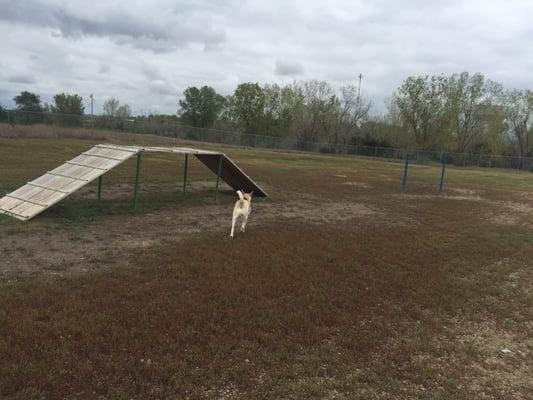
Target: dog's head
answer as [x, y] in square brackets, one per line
[248, 196]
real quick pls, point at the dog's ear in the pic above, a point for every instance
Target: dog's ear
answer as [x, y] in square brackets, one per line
[251, 193]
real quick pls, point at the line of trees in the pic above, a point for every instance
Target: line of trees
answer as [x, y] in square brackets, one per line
[444, 113]
[463, 113]
[65, 103]
[452, 113]
[67, 110]
[310, 111]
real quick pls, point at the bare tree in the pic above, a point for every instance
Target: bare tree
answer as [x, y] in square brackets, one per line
[518, 108]
[315, 118]
[111, 107]
[470, 100]
[421, 102]
[351, 112]
[124, 111]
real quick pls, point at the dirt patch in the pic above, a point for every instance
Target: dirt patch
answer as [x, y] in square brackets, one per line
[505, 219]
[361, 185]
[112, 240]
[526, 195]
[463, 191]
[322, 213]
[518, 207]
[513, 213]
[435, 196]
[503, 363]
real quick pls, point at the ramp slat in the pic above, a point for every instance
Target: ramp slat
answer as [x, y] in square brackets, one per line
[85, 165]
[45, 187]
[27, 201]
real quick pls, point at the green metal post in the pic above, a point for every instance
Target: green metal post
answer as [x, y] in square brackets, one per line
[219, 171]
[137, 181]
[99, 187]
[185, 173]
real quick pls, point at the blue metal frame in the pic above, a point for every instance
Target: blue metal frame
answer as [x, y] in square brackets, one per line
[405, 171]
[442, 173]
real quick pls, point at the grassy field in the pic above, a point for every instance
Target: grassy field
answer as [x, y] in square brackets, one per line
[343, 287]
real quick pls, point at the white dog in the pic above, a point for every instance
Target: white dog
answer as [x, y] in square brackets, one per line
[243, 208]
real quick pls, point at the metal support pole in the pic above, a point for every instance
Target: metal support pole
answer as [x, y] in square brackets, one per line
[443, 162]
[99, 187]
[406, 168]
[137, 181]
[185, 172]
[219, 171]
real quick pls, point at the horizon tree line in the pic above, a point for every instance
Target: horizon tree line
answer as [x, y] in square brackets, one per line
[447, 113]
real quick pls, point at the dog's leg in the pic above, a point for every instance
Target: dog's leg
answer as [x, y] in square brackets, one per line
[245, 219]
[234, 219]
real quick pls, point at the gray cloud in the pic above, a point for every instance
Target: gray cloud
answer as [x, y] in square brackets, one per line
[163, 88]
[21, 78]
[145, 53]
[104, 69]
[118, 24]
[288, 68]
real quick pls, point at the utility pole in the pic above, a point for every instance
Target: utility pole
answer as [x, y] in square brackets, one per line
[358, 111]
[92, 103]
[359, 89]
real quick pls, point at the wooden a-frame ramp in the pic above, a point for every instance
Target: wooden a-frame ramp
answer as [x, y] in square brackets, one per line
[42, 193]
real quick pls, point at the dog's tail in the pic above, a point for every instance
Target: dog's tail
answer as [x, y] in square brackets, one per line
[241, 197]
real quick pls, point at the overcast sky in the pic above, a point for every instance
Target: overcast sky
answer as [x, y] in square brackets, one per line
[145, 53]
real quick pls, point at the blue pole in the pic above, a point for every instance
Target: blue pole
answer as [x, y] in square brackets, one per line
[406, 169]
[443, 162]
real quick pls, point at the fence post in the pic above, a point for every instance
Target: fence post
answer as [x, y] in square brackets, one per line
[406, 168]
[99, 187]
[443, 162]
[185, 172]
[8, 118]
[137, 181]
[219, 171]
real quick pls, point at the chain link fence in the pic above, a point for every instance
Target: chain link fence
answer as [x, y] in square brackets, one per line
[176, 130]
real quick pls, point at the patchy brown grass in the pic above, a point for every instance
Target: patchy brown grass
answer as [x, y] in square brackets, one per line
[337, 290]
[255, 319]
